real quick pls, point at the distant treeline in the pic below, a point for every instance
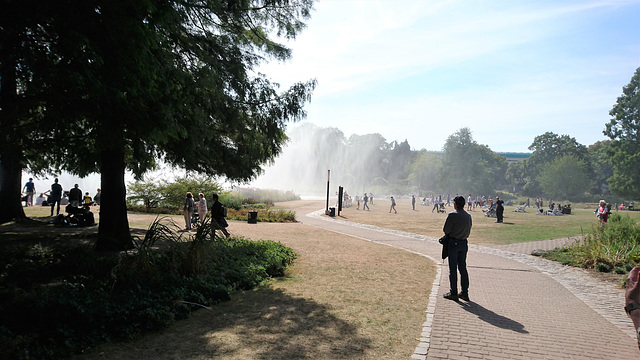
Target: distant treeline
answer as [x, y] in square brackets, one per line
[558, 166]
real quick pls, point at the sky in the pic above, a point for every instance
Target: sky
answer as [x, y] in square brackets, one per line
[509, 70]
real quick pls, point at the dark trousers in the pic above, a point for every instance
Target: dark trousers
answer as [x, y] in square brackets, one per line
[499, 214]
[458, 262]
[53, 203]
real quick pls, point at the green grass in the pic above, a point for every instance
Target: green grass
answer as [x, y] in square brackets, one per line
[523, 227]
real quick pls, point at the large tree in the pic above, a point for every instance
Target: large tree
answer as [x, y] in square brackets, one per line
[425, 169]
[174, 79]
[23, 68]
[470, 167]
[565, 178]
[624, 130]
[601, 165]
[546, 148]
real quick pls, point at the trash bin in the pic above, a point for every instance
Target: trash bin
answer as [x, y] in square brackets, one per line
[253, 217]
[332, 212]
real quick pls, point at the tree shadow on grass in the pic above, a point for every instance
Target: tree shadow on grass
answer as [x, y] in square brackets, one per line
[262, 324]
[492, 318]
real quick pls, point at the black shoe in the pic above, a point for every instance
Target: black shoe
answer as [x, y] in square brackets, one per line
[463, 296]
[451, 296]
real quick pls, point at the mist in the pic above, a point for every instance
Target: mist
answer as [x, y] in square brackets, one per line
[360, 163]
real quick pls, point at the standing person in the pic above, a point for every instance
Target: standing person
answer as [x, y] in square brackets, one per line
[457, 228]
[202, 207]
[632, 299]
[413, 202]
[217, 214]
[358, 202]
[371, 198]
[393, 205]
[97, 197]
[189, 204]
[366, 199]
[528, 203]
[75, 196]
[56, 196]
[601, 213]
[469, 204]
[499, 209]
[449, 200]
[30, 188]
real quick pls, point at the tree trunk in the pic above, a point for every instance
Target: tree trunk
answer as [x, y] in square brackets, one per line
[10, 151]
[10, 181]
[113, 231]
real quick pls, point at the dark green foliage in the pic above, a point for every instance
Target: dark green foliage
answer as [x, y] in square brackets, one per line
[56, 302]
[602, 267]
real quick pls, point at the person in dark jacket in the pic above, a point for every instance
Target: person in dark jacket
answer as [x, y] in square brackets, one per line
[218, 215]
[55, 196]
[457, 228]
[499, 210]
[75, 196]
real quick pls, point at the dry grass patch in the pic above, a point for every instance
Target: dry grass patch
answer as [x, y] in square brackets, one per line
[343, 298]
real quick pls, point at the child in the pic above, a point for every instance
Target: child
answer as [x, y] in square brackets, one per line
[87, 199]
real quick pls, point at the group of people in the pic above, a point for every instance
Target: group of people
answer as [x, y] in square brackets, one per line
[55, 197]
[218, 211]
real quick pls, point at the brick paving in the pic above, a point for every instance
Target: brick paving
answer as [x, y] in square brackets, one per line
[522, 307]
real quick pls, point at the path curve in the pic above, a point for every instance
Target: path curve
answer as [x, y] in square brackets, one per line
[522, 307]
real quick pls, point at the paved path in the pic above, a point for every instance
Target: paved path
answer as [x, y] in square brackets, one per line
[522, 307]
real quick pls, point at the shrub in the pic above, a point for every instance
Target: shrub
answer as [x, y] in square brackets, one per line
[603, 267]
[614, 245]
[277, 215]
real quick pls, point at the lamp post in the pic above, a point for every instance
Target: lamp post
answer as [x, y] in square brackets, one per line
[328, 177]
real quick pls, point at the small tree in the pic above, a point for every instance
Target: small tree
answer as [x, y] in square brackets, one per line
[175, 192]
[147, 192]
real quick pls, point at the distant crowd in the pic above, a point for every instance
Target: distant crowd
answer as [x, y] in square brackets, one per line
[56, 196]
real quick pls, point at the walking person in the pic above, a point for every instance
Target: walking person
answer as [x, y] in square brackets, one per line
[393, 205]
[499, 209]
[457, 228]
[366, 199]
[202, 207]
[55, 196]
[218, 216]
[188, 207]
